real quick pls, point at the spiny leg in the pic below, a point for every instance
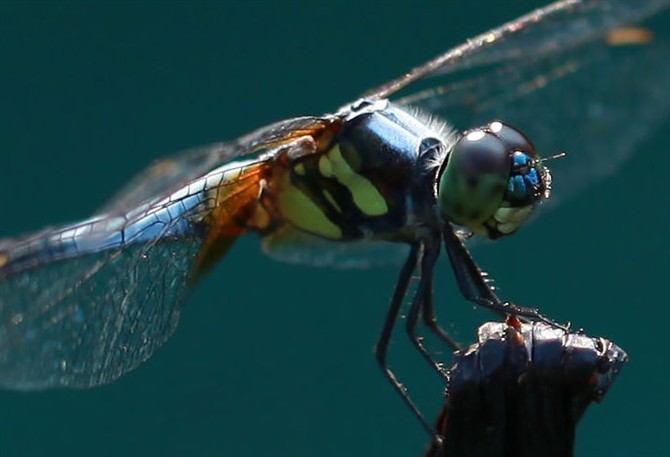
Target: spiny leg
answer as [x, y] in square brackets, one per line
[430, 319]
[424, 293]
[474, 287]
[381, 350]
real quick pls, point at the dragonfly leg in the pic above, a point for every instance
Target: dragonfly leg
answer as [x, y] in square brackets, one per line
[430, 319]
[381, 350]
[422, 296]
[474, 286]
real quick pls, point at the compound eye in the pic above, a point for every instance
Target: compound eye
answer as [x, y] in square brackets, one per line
[474, 179]
[480, 152]
[512, 137]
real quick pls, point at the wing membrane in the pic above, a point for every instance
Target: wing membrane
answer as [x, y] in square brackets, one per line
[85, 320]
[597, 102]
[557, 27]
[291, 245]
[82, 304]
[167, 175]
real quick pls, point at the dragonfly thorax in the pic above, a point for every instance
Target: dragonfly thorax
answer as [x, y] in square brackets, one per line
[374, 180]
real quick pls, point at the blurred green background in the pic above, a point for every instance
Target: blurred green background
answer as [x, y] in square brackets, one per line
[274, 359]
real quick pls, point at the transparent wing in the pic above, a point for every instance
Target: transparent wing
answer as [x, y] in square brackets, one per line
[81, 305]
[555, 28]
[291, 245]
[586, 96]
[111, 313]
[171, 173]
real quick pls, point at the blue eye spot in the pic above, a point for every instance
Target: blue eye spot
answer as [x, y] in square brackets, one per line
[533, 177]
[516, 187]
[520, 159]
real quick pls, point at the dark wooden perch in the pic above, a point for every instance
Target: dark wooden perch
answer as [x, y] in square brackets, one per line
[521, 390]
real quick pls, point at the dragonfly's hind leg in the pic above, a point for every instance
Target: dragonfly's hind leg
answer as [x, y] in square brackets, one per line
[430, 319]
[422, 303]
[381, 350]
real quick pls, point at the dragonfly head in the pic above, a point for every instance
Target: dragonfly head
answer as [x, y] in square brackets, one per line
[491, 181]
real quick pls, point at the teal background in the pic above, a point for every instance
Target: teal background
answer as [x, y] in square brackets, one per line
[274, 359]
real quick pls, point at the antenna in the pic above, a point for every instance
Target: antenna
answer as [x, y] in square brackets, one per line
[560, 155]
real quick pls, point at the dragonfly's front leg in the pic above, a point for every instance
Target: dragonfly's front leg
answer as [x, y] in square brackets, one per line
[474, 286]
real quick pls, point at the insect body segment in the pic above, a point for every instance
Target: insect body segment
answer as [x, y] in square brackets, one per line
[363, 185]
[492, 181]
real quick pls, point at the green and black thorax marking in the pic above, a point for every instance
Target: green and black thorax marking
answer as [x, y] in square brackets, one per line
[365, 183]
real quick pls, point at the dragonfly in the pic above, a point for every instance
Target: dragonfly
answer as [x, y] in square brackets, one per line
[84, 303]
